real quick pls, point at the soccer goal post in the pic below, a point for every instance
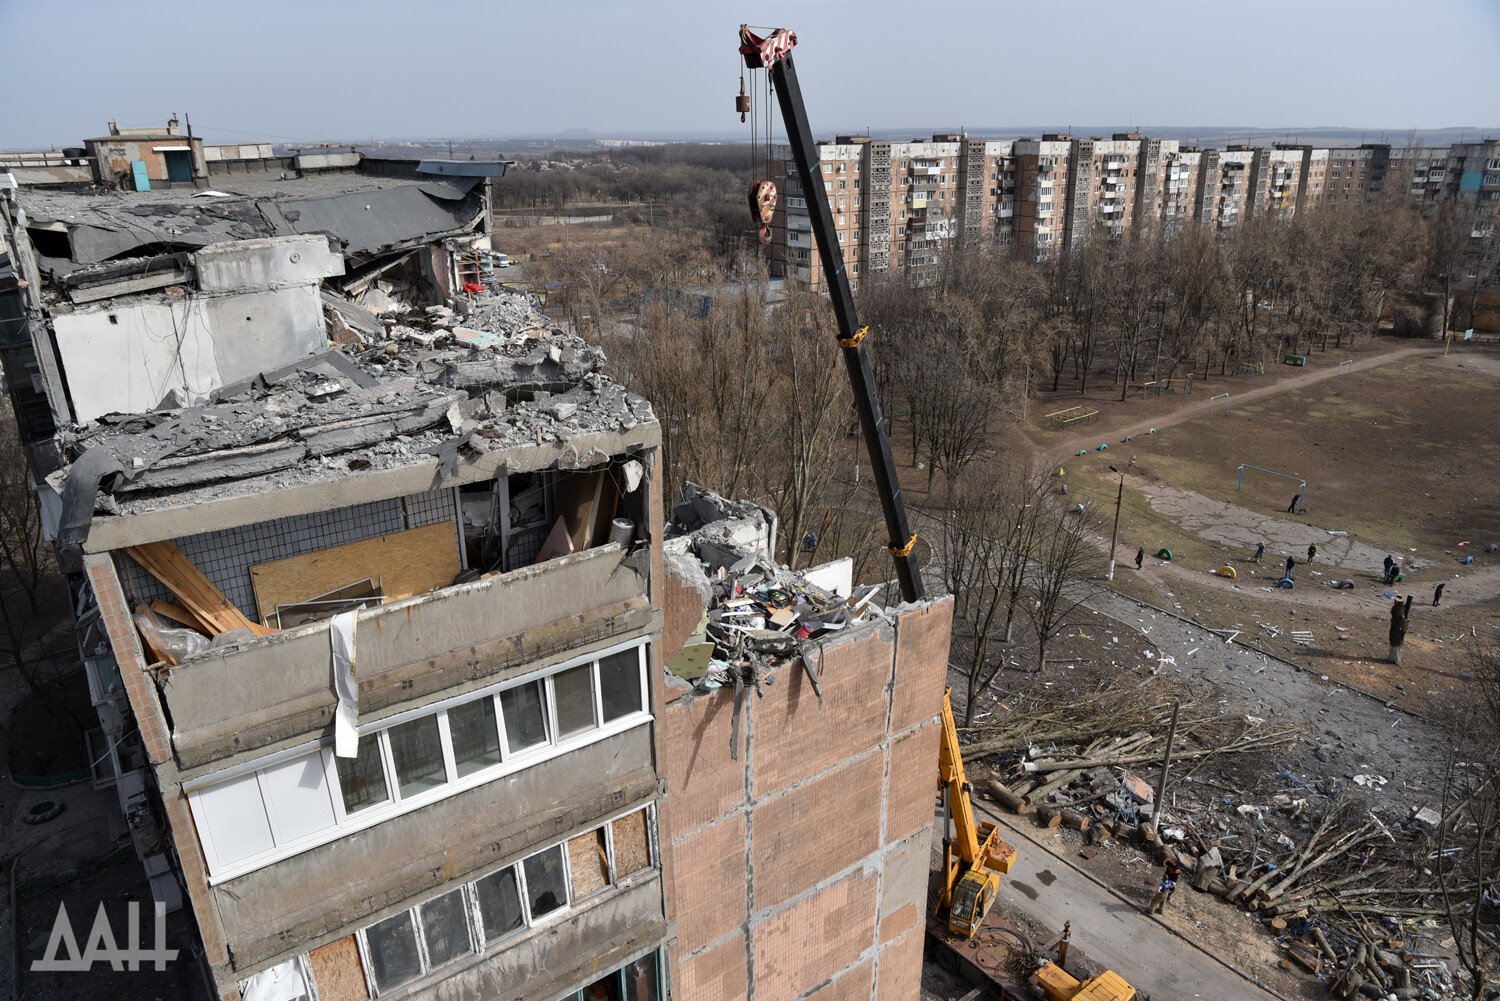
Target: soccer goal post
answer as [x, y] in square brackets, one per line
[1301, 483]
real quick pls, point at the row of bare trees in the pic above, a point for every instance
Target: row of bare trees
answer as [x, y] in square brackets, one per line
[1007, 554]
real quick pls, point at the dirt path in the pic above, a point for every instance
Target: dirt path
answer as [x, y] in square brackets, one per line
[1190, 410]
[1340, 557]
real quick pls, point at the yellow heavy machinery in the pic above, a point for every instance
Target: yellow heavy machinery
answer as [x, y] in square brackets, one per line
[974, 859]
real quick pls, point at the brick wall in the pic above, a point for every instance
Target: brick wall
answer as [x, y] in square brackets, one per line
[800, 867]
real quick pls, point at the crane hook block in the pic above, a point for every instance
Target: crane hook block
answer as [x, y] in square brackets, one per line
[742, 102]
[763, 207]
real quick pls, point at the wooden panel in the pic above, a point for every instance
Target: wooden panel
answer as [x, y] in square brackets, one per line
[578, 500]
[337, 972]
[632, 844]
[165, 562]
[180, 615]
[406, 563]
[589, 863]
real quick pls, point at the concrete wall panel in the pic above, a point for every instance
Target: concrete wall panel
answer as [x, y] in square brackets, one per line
[565, 957]
[281, 688]
[321, 892]
[265, 263]
[259, 331]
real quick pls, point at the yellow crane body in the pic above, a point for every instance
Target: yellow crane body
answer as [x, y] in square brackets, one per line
[975, 857]
[1056, 984]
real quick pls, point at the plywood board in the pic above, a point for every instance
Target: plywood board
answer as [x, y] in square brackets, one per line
[589, 863]
[406, 563]
[632, 844]
[337, 972]
[578, 502]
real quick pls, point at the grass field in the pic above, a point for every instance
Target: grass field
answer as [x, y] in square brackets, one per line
[1402, 456]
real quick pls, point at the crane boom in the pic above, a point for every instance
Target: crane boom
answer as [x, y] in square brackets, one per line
[774, 54]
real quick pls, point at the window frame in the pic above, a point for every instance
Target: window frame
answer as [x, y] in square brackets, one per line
[395, 804]
[479, 943]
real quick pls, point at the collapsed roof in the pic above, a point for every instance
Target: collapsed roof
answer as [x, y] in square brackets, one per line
[367, 215]
[462, 392]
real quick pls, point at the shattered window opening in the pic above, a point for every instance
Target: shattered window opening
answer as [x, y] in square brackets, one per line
[546, 881]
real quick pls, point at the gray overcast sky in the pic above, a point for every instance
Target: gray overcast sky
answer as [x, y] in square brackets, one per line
[331, 69]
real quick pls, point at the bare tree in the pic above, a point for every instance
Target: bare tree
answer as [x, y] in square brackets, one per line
[33, 595]
[986, 540]
[813, 407]
[1064, 564]
[1467, 860]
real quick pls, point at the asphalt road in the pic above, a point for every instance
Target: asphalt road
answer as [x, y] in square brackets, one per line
[1115, 935]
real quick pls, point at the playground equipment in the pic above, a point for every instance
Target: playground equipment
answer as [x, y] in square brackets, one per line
[1286, 582]
[1224, 408]
[1299, 361]
[1227, 571]
[1159, 387]
[1164, 554]
[1301, 496]
[1346, 371]
[1251, 369]
[1073, 415]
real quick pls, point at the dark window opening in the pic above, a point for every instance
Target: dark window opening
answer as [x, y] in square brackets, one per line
[49, 243]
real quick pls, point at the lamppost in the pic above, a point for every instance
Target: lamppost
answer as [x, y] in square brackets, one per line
[1115, 536]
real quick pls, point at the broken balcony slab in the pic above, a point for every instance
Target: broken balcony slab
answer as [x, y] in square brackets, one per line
[278, 688]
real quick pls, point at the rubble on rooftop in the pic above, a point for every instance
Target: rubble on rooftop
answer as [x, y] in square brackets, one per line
[758, 615]
[426, 388]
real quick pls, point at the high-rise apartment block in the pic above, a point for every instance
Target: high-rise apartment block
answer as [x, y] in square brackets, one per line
[408, 688]
[897, 204]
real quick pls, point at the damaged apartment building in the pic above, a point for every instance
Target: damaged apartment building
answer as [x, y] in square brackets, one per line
[429, 540]
[408, 687]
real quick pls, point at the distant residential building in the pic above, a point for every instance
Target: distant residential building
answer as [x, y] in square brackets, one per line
[896, 205]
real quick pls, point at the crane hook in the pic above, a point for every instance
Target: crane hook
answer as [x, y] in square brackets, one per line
[742, 103]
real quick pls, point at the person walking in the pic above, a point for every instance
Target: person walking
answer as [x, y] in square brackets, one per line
[1260, 551]
[1388, 564]
[1292, 507]
[1289, 564]
[1437, 596]
[1140, 557]
[1163, 894]
[1312, 553]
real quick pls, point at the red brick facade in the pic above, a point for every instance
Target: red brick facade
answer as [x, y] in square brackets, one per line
[825, 820]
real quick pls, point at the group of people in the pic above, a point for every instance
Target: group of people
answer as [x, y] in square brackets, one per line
[1392, 568]
[1171, 873]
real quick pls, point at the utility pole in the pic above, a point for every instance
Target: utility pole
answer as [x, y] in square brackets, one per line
[1166, 762]
[1114, 538]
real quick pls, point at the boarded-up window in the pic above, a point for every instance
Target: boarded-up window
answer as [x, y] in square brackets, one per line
[590, 864]
[337, 971]
[632, 844]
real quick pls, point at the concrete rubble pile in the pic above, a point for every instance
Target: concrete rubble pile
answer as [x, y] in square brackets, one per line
[378, 402]
[758, 615]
